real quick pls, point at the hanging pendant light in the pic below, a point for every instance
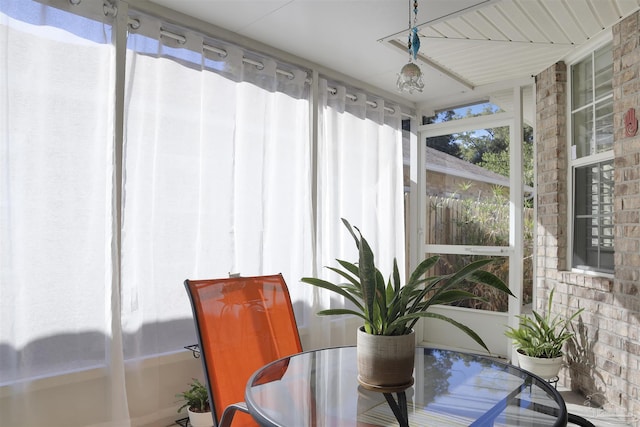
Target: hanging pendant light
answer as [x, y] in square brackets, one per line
[410, 76]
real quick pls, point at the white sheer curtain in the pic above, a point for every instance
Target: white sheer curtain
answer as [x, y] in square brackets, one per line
[56, 182]
[360, 179]
[217, 173]
[216, 179]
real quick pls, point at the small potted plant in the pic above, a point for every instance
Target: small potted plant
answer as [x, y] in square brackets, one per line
[386, 341]
[196, 400]
[539, 339]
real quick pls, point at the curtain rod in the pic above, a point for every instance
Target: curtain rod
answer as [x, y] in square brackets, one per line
[223, 53]
[135, 24]
[333, 91]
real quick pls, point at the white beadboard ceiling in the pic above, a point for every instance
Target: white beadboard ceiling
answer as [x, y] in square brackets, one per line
[470, 49]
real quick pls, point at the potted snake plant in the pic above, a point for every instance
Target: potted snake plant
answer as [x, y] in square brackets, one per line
[389, 310]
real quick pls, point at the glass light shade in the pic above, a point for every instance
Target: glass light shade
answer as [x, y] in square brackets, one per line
[410, 78]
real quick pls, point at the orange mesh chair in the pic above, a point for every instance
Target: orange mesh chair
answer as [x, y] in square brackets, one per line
[242, 323]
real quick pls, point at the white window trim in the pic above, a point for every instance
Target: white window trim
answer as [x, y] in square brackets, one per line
[571, 60]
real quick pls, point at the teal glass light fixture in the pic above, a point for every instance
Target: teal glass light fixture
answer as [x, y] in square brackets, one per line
[410, 76]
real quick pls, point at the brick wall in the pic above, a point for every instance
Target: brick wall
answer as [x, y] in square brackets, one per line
[604, 361]
[624, 342]
[551, 144]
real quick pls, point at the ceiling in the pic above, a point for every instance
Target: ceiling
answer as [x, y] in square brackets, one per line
[470, 49]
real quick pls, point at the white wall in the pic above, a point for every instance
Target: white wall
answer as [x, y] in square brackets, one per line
[81, 398]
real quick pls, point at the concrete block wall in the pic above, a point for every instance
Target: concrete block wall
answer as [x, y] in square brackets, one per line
[604, 360]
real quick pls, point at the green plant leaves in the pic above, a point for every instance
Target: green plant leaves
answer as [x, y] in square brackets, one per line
[195, 398]
[387, 307]
[345, 291]
[542, 335]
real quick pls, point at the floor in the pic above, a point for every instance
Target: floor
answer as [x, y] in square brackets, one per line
[579, 405]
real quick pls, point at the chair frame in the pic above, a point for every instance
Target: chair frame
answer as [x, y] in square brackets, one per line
[226, 418]
[580, 421]
[203, 357]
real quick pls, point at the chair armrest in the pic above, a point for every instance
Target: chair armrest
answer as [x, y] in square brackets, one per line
[230, 411]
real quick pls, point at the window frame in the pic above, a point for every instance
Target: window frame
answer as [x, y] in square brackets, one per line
[594, 158]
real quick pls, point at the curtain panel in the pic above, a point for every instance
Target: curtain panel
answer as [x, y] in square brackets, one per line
[56, 166]
[217, 171]
[360, 178]
[57, 273]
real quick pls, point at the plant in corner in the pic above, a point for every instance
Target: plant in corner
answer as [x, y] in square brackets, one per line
[390, 310]
[196, 400]
[539, 340]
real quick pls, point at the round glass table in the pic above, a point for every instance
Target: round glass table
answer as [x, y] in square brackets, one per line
[320, 388]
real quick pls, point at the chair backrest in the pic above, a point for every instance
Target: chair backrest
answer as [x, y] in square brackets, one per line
[242, 323]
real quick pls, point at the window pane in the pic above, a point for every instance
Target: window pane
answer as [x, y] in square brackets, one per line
[591, 136]
[604, 126]
[581, 79]
[603, 71]
[593, 223]
[583, 131]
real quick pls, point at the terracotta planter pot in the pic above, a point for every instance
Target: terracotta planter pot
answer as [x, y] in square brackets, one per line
[385, 362]
[200, 419]
[542, 367]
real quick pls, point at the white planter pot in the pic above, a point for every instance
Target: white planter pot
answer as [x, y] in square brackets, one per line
[200, 419]
[385, 362]
[542, 367]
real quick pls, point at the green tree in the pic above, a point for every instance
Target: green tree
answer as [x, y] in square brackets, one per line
[474, 144]
[489, 148]
[499, 162]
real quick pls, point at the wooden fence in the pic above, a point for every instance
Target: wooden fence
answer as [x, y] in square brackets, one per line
[453, 221]
[471, 222]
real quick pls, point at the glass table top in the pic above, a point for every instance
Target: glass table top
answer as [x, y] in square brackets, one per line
[320, 388]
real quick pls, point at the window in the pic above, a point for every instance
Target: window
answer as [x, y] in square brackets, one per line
[593, 222]
[592, 161]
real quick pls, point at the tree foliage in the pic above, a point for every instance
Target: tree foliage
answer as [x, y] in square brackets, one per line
[488, 148]
[444, 143]
[499, 162]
